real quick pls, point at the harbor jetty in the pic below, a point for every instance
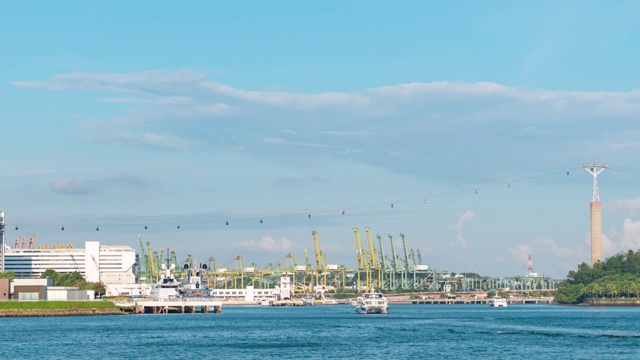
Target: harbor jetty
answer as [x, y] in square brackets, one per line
[165, 306]
[474, 301]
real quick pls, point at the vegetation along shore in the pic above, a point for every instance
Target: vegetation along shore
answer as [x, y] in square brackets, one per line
[58, 308]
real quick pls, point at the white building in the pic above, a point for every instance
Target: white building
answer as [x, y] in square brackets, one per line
[61, 293]
[250, 294]
[111, 265]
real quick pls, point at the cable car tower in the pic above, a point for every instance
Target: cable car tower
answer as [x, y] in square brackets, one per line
[596, 213]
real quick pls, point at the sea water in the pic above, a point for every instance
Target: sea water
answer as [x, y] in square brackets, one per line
[334, 332]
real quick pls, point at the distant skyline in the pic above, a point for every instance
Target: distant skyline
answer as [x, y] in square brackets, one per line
[462, 125]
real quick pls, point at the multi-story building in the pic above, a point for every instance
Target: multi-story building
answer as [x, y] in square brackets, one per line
[111, 265]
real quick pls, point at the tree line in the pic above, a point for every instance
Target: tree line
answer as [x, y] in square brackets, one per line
[616, 277]
[74, 279]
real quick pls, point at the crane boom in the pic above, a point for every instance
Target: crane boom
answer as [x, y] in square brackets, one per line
[393, 253]
[359, 250]
[382, 261]
[320, 263]
[373, 256]
[152, 268]
[406, 254]
[143, 272]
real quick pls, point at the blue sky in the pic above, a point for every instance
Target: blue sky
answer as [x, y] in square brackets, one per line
[122, 115]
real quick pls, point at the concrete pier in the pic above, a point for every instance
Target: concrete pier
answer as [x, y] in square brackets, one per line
[480, 301]
[162, 306]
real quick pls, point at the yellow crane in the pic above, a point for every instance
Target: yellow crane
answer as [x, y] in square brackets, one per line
[152, 266]
[321, 265]
[373, 256]
[360, 258]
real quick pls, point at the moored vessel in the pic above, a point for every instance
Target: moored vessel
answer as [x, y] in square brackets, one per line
[498, 301]
[372, 302]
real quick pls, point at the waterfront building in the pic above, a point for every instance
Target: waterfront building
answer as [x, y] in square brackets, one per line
[111, 265]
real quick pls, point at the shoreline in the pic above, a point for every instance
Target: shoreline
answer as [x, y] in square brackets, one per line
[60, 312]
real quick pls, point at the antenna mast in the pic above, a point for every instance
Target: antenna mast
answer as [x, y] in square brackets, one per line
[596, 213]
[594, 170]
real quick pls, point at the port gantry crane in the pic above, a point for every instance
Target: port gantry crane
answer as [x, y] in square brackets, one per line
[153, 273]
[171, 256]
[210, 273]
[384, 266]
[393, 284]
[367, 261]
[321, 264]
[374, 265]
[360, 261]
[143, 263]
[408, 268]
[327, 275]
[272, 273]
[159, 258]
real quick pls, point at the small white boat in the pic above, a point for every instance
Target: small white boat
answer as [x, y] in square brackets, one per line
[372, 302]
[308, 301]
[498, 301]
[266, 302]
[326, 301]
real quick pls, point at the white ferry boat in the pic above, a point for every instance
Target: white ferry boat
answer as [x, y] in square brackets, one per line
[372, 302]
[498, 301]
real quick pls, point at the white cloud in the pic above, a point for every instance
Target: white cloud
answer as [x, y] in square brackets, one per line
[163, 101]
[464, 218]
[68, 186]
[630, 235]
[87, 186]
[631, 205]
[521, 252]
[274, 140]
[268, 244]
[346, 133]
[162, 141]
[181, 87]
[608, 246]
[184, 109]
[551, 246]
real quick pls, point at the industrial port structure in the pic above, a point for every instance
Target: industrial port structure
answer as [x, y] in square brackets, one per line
[388, 271]
[400, 268]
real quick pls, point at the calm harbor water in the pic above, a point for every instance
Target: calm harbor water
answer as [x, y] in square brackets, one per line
[334, 332]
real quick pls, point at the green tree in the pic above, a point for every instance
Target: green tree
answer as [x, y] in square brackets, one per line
[611, 289]
[8, 275]
[49, 274]
[570, 293]
[98, 287]
[617, 276]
